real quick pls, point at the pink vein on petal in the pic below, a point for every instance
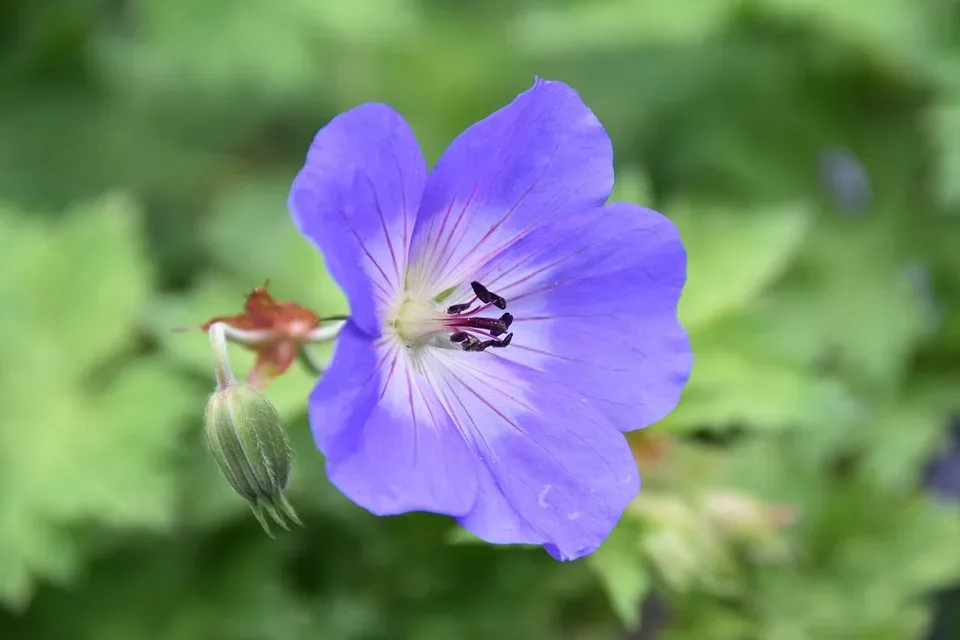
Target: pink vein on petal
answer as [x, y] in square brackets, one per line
[517, 427]
[413, 414]
[500, 222]
[393, 367]
[530, 257]
[479, 205]
[456, 225]
[487, 455]
[383, 226]
[386, 279]
[548, 267]
[568, 359]
[426, 260]
[485, 381]
[403, 196]
[490, 255]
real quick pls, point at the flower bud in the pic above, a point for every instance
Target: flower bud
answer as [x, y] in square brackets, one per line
[246, 437]
[685, 552]
[751, 523]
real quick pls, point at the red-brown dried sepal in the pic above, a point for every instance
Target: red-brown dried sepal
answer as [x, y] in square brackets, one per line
[649, 449]
[286, 325]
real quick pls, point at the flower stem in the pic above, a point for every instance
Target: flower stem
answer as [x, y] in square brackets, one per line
[318, 335]
[249, 338]
[256, 337]
[309, 361]
[325, 334]
[221, 357]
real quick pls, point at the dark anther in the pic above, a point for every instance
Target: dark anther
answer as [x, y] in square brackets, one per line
[507, 320]
[487, 343]
[455, 309]
[471, 344]
[459, 336]
[481, 292]
[486, 296]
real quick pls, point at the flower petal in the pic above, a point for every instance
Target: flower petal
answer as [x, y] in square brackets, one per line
[390, 446]
[356, 199]
[594, 299]
[554, 470]
[543, 156]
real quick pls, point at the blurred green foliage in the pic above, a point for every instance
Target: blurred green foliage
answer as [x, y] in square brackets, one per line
[146, 147]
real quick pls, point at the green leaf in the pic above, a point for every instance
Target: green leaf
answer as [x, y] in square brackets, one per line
[850, 306]
[86, 440]
[459, 535]
[619, 565]
[168, 590]
[609, 24]
[890, 30]
[82, 283]
[141, 420]
[733, 256]
[632, 185]
[900, 434]
[728, 387]
[251, 234]
[220, 46]
[944, 125]
[862, 551]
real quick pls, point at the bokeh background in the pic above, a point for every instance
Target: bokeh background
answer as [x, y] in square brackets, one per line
[809, 150]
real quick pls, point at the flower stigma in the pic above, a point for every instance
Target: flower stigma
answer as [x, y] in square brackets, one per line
[417, 323]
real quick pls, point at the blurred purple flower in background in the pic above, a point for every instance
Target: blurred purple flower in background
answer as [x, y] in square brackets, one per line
[506, 326]
[845, 180]
[943, 471]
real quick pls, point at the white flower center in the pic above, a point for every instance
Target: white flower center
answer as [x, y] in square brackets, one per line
[417, 322]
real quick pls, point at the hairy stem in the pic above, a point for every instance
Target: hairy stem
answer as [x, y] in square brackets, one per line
[221, 357]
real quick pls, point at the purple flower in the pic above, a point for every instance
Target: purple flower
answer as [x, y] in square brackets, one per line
[505, 325]
[845, 180]
[942, 475]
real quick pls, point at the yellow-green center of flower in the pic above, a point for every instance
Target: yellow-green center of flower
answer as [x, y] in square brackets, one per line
[416, 322]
